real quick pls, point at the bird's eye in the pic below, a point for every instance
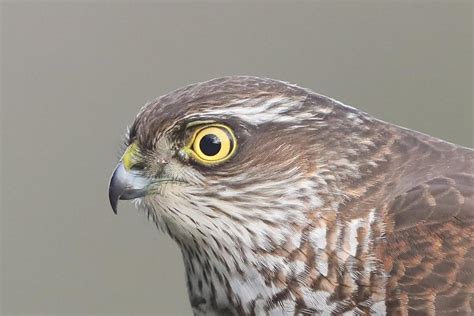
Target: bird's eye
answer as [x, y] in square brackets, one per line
[212, 144]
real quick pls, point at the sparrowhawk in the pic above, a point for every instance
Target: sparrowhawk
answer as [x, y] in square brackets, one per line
[288, 202]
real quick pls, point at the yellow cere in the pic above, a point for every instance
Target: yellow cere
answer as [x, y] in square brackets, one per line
[201, 140]
[128, 156]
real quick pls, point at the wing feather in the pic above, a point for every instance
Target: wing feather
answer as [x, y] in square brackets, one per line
[430, 248]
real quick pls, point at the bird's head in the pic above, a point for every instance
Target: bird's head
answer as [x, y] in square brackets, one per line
[233, 158]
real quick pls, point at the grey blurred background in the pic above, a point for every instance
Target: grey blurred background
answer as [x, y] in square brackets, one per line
[74, 74]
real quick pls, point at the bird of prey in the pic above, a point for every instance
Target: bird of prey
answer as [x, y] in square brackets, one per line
[287, 202]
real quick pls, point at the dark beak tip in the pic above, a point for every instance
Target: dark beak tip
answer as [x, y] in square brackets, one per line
[114, 192]
[113, 198]
[114, 207]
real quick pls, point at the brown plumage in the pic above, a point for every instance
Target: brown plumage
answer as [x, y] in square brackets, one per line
[314, 207]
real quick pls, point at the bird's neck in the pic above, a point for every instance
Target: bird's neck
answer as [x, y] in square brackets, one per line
[319, 266]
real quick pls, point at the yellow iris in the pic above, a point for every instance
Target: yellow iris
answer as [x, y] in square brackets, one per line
[212, 144]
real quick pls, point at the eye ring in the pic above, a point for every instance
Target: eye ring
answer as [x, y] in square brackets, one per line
[212, 144]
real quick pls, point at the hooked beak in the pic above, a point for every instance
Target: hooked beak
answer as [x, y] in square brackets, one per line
[126, 185]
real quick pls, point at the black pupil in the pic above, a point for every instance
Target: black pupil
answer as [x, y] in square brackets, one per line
[210, 145]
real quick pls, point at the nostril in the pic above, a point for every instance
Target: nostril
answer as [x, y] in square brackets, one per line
[137, 166]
